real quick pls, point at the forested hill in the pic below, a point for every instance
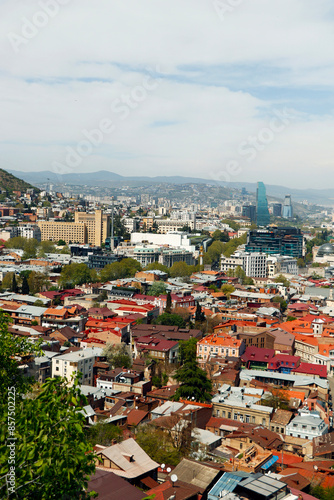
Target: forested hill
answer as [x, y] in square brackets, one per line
[11, 183]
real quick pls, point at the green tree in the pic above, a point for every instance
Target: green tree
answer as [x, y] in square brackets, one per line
[38, 282]
[126, 268]
[301, 262]
[234, 225]
[61, 243]
[194, 383]
[118, 356]
[75, 274]
[46, 247]
[14, 287]
[180, 269]
[282, 279]
[168, 308]
[158, 444]
[158, 288]
[281, 301]
[39, 303]
[170, 320]
[221, 235]
[25, 286]
[187, 350]
[7, 281]
[104, 434]
[52, 458]
[322, 493]
[227, 290]
[17, 242]
[199, 314]
[214, 251]
[30, 249]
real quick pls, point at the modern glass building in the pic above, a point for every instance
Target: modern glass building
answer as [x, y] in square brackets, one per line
[262, 212]
[278, 240]
[287, 207]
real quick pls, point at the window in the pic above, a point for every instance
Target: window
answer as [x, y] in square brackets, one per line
[229, 415]
[57, 368]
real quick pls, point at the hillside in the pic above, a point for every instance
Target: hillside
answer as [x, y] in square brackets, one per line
[11, 183]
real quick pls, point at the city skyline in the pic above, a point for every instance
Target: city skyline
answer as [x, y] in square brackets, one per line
[235, 93]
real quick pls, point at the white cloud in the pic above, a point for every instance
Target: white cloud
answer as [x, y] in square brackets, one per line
[220, 82]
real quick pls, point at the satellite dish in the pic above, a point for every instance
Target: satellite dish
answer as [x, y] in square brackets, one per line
[169, 470]
[173, 478]
[162, 466]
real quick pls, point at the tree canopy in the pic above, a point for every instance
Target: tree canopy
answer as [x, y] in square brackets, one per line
[76, 274]
[52, 456]
[170, 319]
[158, 288]
[194, 383]
[118, 356]
[126, 268]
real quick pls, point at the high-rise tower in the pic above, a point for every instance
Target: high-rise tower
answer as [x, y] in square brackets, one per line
[287, 207]
[262, 212]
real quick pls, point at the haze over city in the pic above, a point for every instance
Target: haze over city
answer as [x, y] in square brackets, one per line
[231, 91]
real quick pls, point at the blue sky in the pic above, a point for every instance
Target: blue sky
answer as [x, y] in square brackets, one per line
[205, 88]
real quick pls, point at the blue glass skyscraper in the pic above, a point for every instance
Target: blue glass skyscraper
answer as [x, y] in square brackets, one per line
[287, 207]
[262, 212]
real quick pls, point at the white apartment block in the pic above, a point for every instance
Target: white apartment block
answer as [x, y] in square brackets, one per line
[68, 365]
[307, 425]
[277, 264]
[254, 264]
[28, 231]
[259, 265]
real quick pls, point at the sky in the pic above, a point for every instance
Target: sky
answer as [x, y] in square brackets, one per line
[231, 90]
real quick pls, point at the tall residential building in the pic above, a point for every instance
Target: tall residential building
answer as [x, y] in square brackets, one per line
[93, 228]
[277, 209]
[249, 211]
[287, 207]
[98, 226]
[262, 212]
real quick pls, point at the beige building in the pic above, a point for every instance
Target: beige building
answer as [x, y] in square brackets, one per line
[70, 232]
[98, 226]
[92, 228]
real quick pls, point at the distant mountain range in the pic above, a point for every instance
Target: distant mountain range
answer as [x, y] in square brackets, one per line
[106, 178]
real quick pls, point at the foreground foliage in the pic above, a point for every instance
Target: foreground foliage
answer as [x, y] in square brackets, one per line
[48, 453]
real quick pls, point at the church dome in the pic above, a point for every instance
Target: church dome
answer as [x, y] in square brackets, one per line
[326, 249]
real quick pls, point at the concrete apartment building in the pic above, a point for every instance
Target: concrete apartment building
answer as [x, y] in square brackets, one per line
[92, 228]
[71, 363]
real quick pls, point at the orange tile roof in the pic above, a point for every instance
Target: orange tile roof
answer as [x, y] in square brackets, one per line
[325, 348]
[295, 394]
[219, 339]
[307, 339]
